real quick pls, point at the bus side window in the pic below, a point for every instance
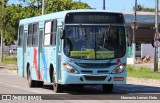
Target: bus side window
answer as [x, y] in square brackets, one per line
[53, 32]
[47, 33]
[35, 35]
[29, 38]
[20, 37]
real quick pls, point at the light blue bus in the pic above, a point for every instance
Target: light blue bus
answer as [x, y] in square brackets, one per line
[74, 47]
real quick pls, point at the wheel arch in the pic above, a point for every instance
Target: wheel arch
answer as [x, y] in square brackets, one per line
[27, 69]
[51, 71]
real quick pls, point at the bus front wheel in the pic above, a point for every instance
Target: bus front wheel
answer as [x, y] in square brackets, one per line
[57, 87]
[107, 88]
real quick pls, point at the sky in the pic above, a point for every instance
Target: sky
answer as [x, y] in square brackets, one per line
[114, 5]
[119, 5]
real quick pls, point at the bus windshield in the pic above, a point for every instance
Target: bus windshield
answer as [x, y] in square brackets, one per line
[94, 42]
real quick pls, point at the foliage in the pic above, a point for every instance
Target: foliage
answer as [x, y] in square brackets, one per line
[30, 8]
[149, 9]
[53, 6]
[142, 8]
[139, 7]
[10, 23]
[1, 11]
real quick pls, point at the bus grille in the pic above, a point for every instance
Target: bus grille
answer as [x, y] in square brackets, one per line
[99, 78]
[95, 65]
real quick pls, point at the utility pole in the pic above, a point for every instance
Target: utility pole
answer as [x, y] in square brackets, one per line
[156, 27]
[43, 6]
[1, 53]
[134, 27]
[104, 7]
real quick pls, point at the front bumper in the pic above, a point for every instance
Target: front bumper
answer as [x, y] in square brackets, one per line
[69, 78]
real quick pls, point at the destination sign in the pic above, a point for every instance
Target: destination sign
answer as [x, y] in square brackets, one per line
[94, 18]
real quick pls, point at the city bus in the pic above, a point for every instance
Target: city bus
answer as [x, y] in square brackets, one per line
[73, 47]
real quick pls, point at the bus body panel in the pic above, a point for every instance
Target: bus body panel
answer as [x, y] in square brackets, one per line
[31, 60]
[48, 58]
[20, 60]
[22, 53]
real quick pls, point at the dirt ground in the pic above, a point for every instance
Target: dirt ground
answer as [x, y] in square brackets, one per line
[146, 61]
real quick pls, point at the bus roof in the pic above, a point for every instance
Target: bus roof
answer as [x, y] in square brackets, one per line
[58, 15]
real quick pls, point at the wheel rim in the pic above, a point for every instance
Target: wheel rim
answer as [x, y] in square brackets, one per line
[54, 84]
[53, 78]
[29, 79]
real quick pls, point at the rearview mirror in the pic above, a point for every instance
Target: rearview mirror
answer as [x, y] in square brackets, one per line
[62, 33]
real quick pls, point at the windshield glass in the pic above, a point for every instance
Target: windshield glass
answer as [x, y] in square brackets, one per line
[94, 42]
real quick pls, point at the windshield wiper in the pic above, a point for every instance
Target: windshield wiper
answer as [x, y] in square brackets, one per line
[107, 34]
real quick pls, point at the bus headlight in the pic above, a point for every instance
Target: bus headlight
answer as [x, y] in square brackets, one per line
[119, 69]
[70, 68]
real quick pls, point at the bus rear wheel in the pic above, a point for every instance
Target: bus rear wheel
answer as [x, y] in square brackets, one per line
[31, 82]
[107, 88]
[40, 83]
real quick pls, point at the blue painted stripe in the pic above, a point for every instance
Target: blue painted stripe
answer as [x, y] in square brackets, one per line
[45, 63]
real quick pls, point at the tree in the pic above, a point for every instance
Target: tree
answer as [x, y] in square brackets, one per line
[139, 7]
[2, 6]
[54, 5]
[149, 9]
[1, 11]
[11, 18]
[142, 8]
[80, 5]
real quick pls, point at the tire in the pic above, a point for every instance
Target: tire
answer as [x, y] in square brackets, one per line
[77, 85]
[31, 82]
[57, 87]
[107, 88]
[39, 83]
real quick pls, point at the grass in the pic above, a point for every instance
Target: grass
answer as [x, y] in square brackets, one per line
[9, 61]
[141, 72]
[12, 68]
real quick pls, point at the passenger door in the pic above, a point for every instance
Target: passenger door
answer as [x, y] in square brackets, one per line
[24, 72]
[58, 55]
[40, 42]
